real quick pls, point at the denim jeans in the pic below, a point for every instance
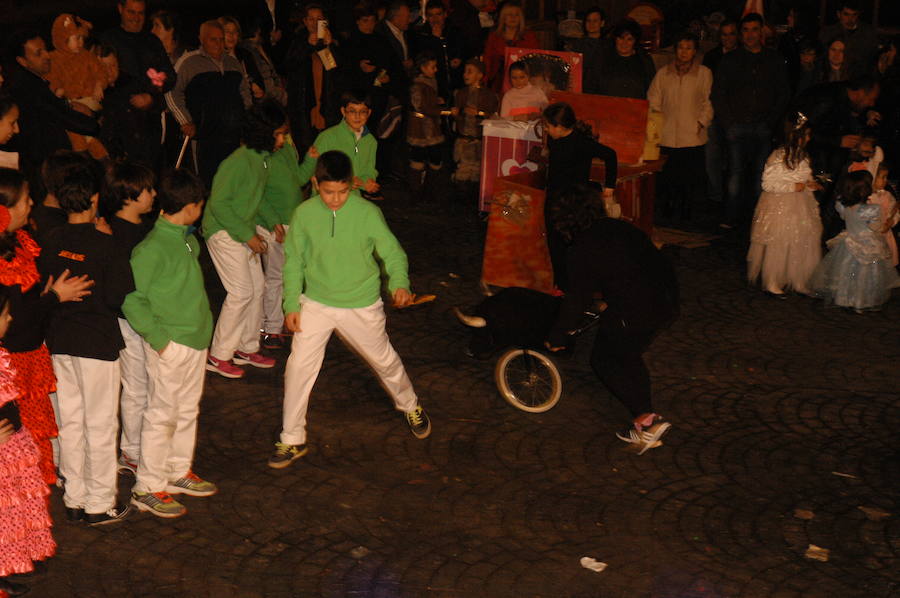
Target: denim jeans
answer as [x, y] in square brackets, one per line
[748, 147]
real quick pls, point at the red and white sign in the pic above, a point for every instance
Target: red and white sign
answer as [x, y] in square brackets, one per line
[504, 151]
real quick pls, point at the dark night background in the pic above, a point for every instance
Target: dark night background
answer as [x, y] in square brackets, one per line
[678, 12]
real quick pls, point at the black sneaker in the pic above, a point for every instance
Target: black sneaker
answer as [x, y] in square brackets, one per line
[74, 515]
[272, 341]
[419, 423]
[117, 513]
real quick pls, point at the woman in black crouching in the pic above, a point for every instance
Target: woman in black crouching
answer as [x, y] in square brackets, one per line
[639, 293]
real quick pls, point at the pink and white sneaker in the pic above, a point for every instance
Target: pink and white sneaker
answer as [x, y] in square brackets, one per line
[223, 368]
[257, 360]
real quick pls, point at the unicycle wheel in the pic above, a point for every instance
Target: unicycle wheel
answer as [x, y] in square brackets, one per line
[528, 380]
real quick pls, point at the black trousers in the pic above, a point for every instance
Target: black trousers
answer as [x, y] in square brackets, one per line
[618, 360]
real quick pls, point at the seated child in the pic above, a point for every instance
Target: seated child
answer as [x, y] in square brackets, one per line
[523, 101]
[84, 341]
[77, 75]
[352, 137]
[170, 310]
[472, 104]
[332, 282]
[423, 130]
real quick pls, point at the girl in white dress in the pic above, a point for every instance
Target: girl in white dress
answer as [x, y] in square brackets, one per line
[785, 241]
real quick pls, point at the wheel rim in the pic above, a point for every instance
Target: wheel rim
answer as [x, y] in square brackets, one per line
[529, 380]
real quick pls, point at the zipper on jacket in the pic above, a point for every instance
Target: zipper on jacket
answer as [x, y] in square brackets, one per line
[333, 218]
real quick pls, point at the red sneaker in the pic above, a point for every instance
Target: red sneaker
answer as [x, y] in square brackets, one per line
[257, 360]
[223, 368]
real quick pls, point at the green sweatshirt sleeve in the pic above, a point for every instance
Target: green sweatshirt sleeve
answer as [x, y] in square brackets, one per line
[232, 187]
[136, 307]
[308, 166]
[294, 268]
[367, 160]
[283, 192]
[391, 253]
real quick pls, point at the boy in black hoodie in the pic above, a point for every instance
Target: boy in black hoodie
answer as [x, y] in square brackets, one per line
[84, 341]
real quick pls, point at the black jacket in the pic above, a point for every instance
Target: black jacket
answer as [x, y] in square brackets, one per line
[445, 49]
[87, 328]
[831, 117]
[400, 79]
[637, 282]
[43, 121]
[570, 161]
[138, 53]
[750, 87]
[364, 46]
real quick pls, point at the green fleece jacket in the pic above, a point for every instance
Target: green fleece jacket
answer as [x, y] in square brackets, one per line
[237, 191]
[283, 191]
[330, 256]
[341, 137]
[169, 300]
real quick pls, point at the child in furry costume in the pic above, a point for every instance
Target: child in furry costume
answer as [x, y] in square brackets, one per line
[77, 75]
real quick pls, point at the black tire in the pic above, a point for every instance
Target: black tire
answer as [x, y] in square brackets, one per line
[528, 380]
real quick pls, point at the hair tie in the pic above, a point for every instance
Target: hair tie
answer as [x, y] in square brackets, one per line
[802, 119]
[4, 219]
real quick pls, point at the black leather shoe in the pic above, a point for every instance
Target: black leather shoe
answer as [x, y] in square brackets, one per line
[74, 515]
[12, 588]
[781, 296]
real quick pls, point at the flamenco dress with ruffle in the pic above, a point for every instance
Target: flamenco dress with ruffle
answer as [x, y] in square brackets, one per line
[24, 521]
[24, 340]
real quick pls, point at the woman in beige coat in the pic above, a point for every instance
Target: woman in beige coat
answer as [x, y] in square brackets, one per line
[680, 91]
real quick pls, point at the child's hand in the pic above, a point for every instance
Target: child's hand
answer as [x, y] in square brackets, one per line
[6, 431]
[799, 187]
[163, 350]
[814, 186]
[60, 92]
[402, 297]
[292, 321]
[366, 66]
[257, 91]
[69, 288]
[357, 182]
[371, 186]
[312, 152]
[279, 233]
[471, 110]
[257, 244]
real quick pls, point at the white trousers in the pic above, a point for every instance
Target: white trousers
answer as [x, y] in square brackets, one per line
[169, 430]
[362, 329]
[87, 392]
[240, 271]
[273, 262]
[135, 390]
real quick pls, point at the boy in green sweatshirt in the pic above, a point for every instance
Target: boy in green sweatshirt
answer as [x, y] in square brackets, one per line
[170, 310]
[229, 226]
[352, 137]
[332, 282]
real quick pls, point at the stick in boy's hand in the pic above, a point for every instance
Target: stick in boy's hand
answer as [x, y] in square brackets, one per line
[402, 297]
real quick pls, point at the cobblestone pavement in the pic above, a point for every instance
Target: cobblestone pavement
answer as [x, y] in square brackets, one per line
[785, 415]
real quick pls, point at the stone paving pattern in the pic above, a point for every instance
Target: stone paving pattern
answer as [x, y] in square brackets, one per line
[769, 400]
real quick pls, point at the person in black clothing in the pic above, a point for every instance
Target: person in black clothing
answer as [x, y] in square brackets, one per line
[750, 93]
[128, 195]
[838, 113]
[464, 17]
[46, 215]
[43, 117]
[209, 99]
[365, 61]
[592, 47]
[312, 106]
[443, 42]
[639, 298]
[274, 18]
[715, 144]
[626, 70]
[572, 148]
[84, 341]
[148, 75]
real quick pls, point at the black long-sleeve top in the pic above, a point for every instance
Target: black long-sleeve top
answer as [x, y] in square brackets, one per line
[636, 280]
[570, 161]
[137, 53]
[750, 87]
[87, 328]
